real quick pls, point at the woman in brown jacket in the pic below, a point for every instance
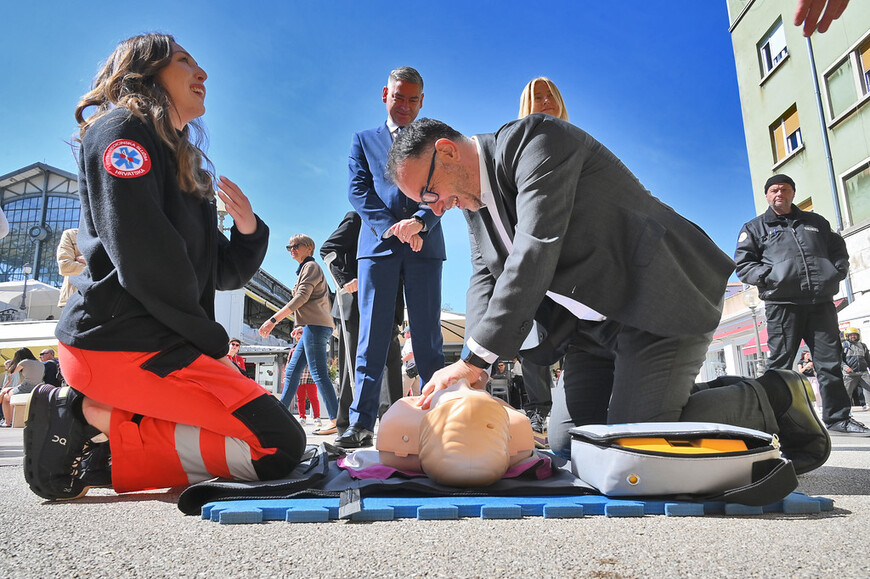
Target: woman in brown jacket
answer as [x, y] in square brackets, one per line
[313, 318]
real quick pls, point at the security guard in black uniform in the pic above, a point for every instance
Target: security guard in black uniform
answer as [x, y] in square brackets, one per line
[797, 263]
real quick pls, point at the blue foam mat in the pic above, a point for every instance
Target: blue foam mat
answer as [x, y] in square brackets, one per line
[441, 508]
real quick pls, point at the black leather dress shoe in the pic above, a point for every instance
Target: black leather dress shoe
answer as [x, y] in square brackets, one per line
[355, 437]
[802, 434]
[849, 426]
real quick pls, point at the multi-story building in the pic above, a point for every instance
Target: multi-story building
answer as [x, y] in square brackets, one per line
[39, 201]
[805, 114]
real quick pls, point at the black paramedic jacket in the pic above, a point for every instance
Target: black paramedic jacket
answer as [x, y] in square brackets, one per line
[154, 253]
[793, 259]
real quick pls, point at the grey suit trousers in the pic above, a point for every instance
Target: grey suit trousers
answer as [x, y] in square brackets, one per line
[615, 374]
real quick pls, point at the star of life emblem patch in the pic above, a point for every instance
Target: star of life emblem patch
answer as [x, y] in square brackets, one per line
[126, 159]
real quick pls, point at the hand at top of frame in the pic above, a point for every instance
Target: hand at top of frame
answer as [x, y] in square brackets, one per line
[808, 12]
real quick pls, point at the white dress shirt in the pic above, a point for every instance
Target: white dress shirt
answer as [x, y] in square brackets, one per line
[580, 310]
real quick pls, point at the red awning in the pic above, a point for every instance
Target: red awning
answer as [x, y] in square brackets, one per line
[733, 331]
[750, 348]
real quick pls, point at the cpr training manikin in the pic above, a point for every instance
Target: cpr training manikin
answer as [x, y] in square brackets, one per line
[465, 438]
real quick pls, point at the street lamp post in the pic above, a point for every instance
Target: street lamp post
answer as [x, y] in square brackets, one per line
[751, 301]
[27, 269]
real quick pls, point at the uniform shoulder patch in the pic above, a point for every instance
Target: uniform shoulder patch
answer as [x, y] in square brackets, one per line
[743, 236]
[126, 159]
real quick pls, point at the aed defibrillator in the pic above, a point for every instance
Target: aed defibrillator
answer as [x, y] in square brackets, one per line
[697, 460]
[683, 445]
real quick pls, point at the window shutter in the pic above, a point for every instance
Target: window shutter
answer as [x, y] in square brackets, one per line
[792, 123]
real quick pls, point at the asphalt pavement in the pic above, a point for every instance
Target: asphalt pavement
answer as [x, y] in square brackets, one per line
[145, 535]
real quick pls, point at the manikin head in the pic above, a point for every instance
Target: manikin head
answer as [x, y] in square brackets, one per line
[465, 438]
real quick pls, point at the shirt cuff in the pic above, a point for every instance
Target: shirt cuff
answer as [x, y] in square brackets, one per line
[478, 350]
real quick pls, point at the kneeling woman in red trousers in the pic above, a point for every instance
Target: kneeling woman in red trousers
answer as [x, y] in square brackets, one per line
[139, 345]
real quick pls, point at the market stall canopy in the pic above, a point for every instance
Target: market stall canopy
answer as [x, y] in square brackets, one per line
[452, 327]
[41, 298]
[34, 336]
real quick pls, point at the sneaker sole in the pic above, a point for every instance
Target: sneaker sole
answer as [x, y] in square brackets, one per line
[34, 442]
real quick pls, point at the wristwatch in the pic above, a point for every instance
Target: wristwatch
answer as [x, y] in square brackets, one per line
[273, 320]
[470, 357]
[419, 220]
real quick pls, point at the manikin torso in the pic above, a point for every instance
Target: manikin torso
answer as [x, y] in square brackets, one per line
[466, 437]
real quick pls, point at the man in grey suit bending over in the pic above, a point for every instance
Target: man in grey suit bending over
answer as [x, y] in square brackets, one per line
[562, 233]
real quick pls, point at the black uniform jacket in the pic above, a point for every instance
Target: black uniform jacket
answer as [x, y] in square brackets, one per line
[154, 253]
[792, 259]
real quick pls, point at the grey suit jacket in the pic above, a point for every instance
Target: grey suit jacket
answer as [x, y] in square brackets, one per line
[584, 227]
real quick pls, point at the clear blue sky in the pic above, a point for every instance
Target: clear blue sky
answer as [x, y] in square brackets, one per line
[290, 82]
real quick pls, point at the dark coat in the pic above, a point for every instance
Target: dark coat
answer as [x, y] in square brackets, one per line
[584, 227]
[792, 259]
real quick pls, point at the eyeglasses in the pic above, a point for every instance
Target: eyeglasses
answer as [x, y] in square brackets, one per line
[294, 247]
[426, 196]
[234, 345]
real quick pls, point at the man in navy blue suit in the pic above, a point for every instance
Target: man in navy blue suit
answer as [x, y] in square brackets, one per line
[399, 239]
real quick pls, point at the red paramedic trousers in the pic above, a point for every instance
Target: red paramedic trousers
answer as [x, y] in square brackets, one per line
[181, 417]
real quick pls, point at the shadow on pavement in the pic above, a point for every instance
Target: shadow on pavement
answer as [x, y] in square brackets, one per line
[836, 480]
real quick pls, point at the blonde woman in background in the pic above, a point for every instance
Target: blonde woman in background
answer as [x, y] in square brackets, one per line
[542, 96]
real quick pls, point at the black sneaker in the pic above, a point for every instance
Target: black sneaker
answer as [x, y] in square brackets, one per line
[56, 440]
[96, 464]
[849, 426]
[539, 429]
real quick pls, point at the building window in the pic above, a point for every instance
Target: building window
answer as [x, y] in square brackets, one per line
[848, 80]
[842, 92]
[857, 187]
[753, 366]
[772, 49]
[18, 248]
[864, 65]
[785, 135]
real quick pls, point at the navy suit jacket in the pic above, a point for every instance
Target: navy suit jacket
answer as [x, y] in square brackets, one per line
[583, 227]
[343, 242]
[381, 204]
